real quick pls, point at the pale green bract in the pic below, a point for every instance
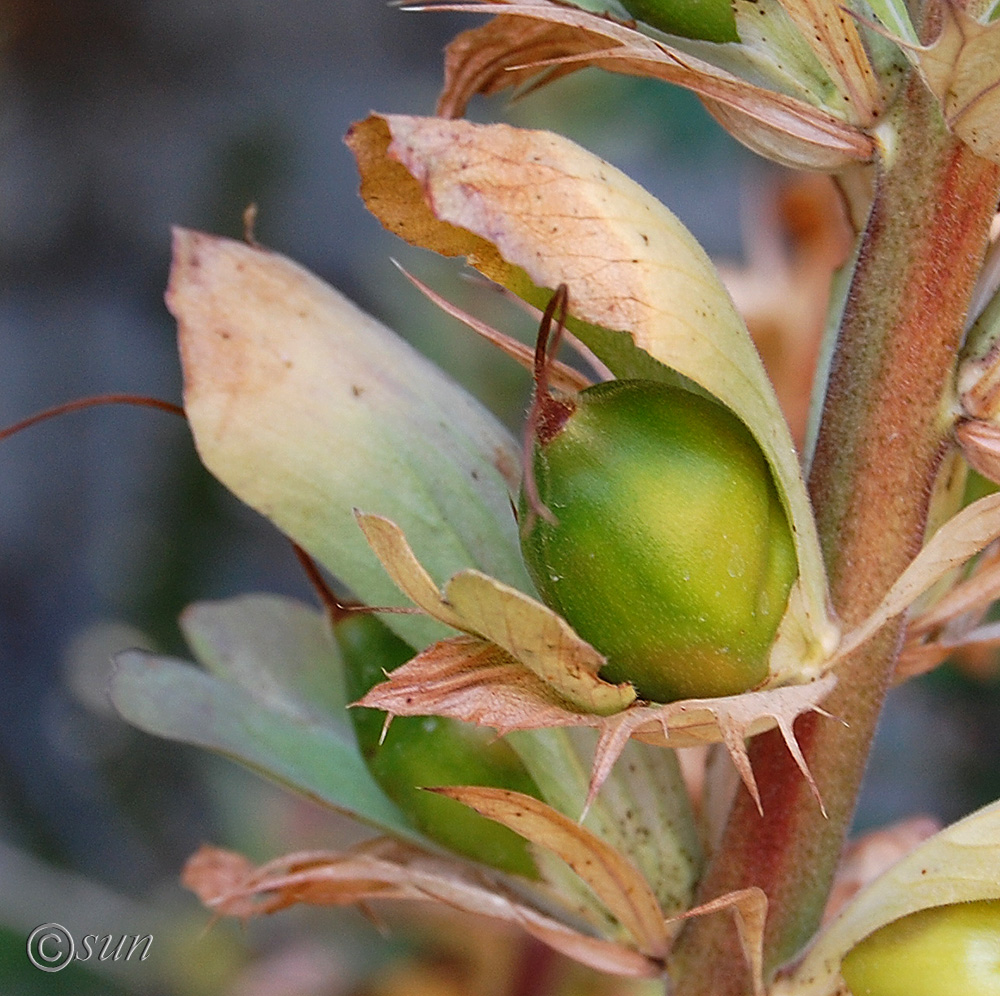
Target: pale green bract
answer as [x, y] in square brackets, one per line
[270, 696]
[305, 407]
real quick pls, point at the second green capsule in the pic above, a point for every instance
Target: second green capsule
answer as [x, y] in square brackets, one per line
[708, 20]
[429, 751]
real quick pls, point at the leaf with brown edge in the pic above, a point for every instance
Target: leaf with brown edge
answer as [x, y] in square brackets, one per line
[499, 55]
[533, 210]
[612, 877]
[962, 69]
[383, 869]
[529, 631]
[304, 406]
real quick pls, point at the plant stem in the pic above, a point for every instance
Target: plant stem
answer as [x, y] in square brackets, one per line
[882, 438]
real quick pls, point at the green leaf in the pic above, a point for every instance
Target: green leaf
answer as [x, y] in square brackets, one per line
[173, 699]
[305, 408]
[279, 650]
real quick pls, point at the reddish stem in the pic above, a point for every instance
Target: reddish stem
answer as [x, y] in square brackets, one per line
[94, 401]
[547, 414]
[882, 438]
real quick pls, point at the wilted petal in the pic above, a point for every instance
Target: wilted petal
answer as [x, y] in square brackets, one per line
[395, 555]
[505, 53]
[539, 639]
[472, 680]
[980, 442]
[509, 53]
[530, 632]
[959, 539]
[228, 884]
[749, 908]
[730, 720]
[953, 620]
[614, 879]
[814, 144]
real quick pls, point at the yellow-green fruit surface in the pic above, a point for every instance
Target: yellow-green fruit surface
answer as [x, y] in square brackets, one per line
[430, 751]
[672, 553]
[944, 951]
[708, 20]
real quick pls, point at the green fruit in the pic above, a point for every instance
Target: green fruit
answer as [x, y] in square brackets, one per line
[670, 550]
[944, 951]
[708, 20]
[431, 751]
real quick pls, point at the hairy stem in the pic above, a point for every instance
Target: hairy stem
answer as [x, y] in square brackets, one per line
[882, 438]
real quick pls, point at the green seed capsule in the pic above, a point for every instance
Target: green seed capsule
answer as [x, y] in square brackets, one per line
[708, 20]
[949, 950]
[431, 751]
[669, 548]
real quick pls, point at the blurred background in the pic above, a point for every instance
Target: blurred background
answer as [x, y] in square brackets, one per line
[119, 118]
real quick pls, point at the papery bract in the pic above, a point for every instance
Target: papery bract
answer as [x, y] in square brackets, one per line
[772, 92]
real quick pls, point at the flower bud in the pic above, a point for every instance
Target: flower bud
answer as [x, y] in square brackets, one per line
[658, 534]
[944, 950]
[430, 751]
